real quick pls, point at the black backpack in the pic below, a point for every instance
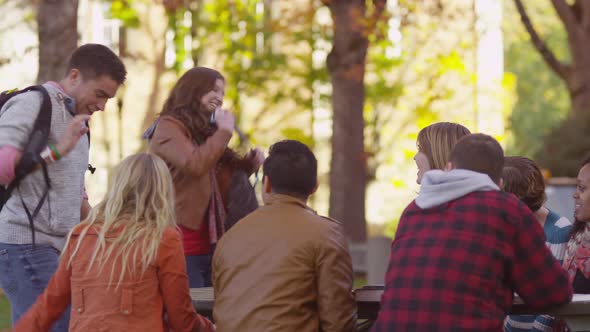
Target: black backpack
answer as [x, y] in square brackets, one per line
[241, 198]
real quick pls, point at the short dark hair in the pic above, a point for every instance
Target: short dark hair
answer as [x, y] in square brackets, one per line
[291, 168]
[95, 60]
[479, 153]
[523, 178]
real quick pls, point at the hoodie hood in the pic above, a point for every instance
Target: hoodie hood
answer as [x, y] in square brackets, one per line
[440, 187]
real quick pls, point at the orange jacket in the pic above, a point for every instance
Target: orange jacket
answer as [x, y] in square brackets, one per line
[138, 304]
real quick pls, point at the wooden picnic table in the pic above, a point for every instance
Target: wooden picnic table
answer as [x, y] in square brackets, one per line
[576, 313]
[203, 299]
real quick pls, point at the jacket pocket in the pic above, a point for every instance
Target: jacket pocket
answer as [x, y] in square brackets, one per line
[78, 300]
[127, 301]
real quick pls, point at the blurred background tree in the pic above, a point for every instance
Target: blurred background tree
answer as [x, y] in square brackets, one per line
[354, 80]
[564, 145]
[543, 100]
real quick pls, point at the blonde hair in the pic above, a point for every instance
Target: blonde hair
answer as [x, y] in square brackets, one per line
[137, 208]
[437, 140]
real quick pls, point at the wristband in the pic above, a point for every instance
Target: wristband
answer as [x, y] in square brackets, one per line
[47, 155]
[56, 154]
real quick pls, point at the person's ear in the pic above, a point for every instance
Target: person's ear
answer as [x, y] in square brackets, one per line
[266, 186]
[501, 184]
[74, 76]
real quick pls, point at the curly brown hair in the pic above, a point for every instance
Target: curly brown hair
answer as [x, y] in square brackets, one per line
[523, 178]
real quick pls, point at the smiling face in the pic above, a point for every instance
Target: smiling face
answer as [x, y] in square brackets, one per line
[582, 195]
[91, 95]
[423, 165]
[213, 99]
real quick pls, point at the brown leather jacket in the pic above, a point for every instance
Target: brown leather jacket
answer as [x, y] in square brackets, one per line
[189, 165]
[137, 305]
[284, 268]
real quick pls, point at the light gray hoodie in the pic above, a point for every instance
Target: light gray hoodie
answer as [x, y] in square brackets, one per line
[438, 187]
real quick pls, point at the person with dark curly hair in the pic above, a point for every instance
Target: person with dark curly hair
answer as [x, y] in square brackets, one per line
[577, 256]
[523, 178]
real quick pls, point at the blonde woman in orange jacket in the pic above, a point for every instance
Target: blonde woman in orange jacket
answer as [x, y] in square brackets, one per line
[123, 268]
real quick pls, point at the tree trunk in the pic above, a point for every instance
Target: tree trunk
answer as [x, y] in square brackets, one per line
[159, 69]
[346, 64]
[576, 75]
[580, 98]
[578, 80]
[57, 22]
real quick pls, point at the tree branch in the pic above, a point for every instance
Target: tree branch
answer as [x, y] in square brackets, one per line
[559, 68]
[378, 9]
[566, 14]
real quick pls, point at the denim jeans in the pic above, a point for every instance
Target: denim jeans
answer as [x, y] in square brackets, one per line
[198, 268]
[24, 274]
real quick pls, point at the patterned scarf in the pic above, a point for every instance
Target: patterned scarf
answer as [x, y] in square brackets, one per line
[216, 211]
[577, 255]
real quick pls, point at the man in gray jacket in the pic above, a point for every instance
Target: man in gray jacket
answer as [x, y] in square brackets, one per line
[93, 76]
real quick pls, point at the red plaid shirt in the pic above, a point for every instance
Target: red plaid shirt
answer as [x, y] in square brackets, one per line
[454, 267]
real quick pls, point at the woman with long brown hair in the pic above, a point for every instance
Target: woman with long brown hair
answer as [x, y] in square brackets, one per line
[191, 135]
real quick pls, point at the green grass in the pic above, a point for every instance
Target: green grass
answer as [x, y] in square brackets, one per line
[359, 281]
[4, 312]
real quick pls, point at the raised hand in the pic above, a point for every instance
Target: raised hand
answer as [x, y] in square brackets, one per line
[225, 120]
[76, 129]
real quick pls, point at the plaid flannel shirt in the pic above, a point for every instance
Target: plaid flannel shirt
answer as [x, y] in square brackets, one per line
[454, 267]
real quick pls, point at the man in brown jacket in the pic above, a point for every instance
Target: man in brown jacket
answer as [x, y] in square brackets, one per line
[283, 267]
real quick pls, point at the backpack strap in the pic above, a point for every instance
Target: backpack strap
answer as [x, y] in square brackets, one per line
[32, 155]
[38, 138]
[91, 168]
[31, 216]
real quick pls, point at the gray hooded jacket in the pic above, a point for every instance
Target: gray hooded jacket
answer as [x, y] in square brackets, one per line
[440, 187]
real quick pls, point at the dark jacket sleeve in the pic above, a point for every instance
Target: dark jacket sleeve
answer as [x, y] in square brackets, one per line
[537, 276]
